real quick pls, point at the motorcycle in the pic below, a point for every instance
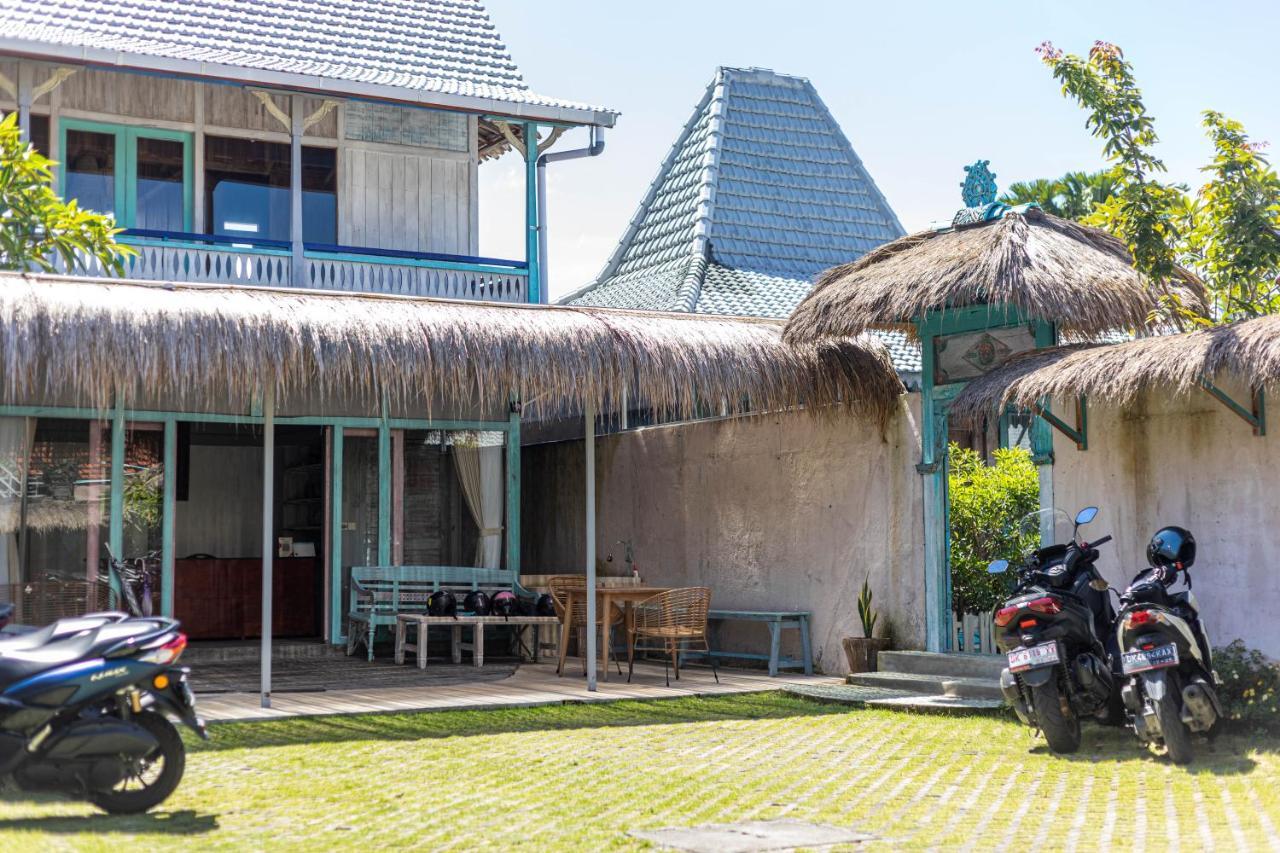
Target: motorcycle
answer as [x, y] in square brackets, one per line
[84, 707]
[1056, 631]
[1169, 691]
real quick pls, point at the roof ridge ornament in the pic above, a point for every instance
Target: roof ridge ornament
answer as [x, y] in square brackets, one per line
[979, 193]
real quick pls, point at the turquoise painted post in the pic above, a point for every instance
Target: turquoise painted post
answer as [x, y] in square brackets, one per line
[167, 516]
[532, 215]
[115, 534]
[384, 492]
[513, 492]
[335, 539]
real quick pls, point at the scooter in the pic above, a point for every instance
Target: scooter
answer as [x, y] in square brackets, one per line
[84, 711]
[1167, 661]
[1055, 631]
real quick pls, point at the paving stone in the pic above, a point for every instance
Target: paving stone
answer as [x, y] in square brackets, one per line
[752, 836]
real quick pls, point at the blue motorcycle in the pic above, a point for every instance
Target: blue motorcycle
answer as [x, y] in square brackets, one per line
[85, 706]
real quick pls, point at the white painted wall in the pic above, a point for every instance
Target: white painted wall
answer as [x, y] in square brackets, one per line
[783, 512]
[1192, 463]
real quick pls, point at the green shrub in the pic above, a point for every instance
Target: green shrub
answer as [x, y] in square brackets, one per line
[1250, 689]
[987, 502]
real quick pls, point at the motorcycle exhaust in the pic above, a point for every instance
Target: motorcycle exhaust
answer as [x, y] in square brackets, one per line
[1013, 695]
[1093, 676]
[1198, 711]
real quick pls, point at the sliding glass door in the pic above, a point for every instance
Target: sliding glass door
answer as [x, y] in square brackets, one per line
[140, 175]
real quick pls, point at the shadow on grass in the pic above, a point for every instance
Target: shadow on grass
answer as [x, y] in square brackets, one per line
[463, 723]
[159, 823]
[1227, 754]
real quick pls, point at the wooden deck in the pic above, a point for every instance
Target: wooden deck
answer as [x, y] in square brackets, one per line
[532, 684]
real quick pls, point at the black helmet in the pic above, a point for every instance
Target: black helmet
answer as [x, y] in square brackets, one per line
[545, 606]
[476, 602]
[442, 603]
[504, 604]
[1172, 547]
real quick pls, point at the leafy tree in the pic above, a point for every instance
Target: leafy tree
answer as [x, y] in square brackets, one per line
[36, 225]
[987, 501]
[1234, 238]
[1142, 211]
[1073, 196]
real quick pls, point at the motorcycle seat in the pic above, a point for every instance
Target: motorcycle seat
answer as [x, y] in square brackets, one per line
[20, 664]
[61, 629]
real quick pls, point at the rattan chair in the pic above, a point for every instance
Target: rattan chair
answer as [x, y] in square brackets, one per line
[676, 617]
[561, 587]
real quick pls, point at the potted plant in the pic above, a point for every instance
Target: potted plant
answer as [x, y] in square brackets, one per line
[862, 652]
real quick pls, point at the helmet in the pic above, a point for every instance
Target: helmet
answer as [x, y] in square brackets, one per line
[1172, 547]
[504, 604]
[476, 602]
[545, 606]
[442, 603]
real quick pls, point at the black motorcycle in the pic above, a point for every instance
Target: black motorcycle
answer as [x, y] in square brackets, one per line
[1056, 629]
[84, 707]
[1167, 659]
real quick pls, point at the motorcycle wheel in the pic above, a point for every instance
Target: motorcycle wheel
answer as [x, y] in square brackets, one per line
[1177, 739]
[152, 780]
[1061, 729]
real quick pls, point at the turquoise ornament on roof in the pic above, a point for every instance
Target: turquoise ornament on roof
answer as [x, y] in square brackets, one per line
[979, 187]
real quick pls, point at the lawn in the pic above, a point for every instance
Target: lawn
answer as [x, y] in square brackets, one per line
[579, 777]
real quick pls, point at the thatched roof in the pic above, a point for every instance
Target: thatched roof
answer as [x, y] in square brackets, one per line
[202, 344]
[1248, 351]
[1079, 277]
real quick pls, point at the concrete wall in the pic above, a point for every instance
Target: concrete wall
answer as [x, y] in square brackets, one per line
[783, 512]
[1192, 463]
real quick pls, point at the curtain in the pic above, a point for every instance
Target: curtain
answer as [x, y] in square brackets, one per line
[480, 473]
[15, 449]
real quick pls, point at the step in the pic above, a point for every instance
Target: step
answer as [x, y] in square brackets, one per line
[236, 651]
[879, 697]
[931, 685]
[936, 663]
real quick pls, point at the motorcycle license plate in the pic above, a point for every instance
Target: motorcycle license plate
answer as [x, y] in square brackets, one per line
[1147, 659]
[1034, 657]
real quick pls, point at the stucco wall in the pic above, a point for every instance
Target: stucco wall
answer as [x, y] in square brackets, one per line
[1193, 463]
[776, 513]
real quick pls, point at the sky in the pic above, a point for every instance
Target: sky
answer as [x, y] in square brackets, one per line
[920, 89]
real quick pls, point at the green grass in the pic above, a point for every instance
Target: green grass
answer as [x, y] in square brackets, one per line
[580, 776]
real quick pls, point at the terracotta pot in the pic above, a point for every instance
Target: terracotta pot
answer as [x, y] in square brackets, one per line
[862, 652]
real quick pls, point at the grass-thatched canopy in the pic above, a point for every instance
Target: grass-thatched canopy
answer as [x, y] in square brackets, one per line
[201, 344]
[1248, 351]
[1050, 268]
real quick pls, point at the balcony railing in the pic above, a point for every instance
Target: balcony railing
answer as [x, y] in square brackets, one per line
[172, 256]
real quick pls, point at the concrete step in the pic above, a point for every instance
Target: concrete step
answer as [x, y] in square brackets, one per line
[930, 685]
[935, 663]
[236, 651]
[863, 696]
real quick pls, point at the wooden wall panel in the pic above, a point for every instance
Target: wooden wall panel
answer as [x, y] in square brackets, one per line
[231, 106]
[395, 200]
[133, 95]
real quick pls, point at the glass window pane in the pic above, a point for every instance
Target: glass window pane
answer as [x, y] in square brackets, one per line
[319, 195]
[160, 185]
[247, 188]
[90, 161]
[40, 134]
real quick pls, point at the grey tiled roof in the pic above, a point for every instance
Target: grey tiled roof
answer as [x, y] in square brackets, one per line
[759, 194]
[445, 46]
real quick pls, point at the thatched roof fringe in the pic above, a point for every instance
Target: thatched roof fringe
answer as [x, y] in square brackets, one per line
[201, 345]
[1051, 268]
[1248, 351]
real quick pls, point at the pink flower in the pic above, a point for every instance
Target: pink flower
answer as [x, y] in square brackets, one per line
[1047, 51]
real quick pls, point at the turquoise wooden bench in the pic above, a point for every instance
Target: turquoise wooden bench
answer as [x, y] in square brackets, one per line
[380, 593]
[778, 621]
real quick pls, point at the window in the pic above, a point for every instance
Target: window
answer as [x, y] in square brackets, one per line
[247, 190]
[40, 134]
[140, 175]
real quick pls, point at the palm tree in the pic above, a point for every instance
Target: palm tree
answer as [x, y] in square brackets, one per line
[1073, 196]
[1041, 191]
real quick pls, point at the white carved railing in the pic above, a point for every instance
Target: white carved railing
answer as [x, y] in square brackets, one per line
[220, 261]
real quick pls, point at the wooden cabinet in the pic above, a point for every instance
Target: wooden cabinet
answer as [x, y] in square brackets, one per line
[221, 599]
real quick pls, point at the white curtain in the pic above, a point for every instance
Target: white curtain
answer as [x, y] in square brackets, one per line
[15, 445]
[479, 469]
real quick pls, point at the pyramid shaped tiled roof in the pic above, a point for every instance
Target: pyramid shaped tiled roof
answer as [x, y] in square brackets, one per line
[760, 192]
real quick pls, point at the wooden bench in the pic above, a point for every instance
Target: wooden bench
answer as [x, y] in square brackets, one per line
[380, 593]
[421, 623]
[778, 621]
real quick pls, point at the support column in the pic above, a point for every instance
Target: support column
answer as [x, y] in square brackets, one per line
[268, 531]
[536, 291]
[198, 222]
[169, 504]
[384, 490]
[513, 490]
[25, 99]
[295, 191]
[589, 414]
[335, 536]
[115, 534]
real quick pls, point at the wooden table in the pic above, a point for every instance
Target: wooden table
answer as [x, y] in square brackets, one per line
[421, 622]
[621, 597]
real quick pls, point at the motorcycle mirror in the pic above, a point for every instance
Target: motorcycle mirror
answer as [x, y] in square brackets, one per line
[998, 567]
[1086, 515]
